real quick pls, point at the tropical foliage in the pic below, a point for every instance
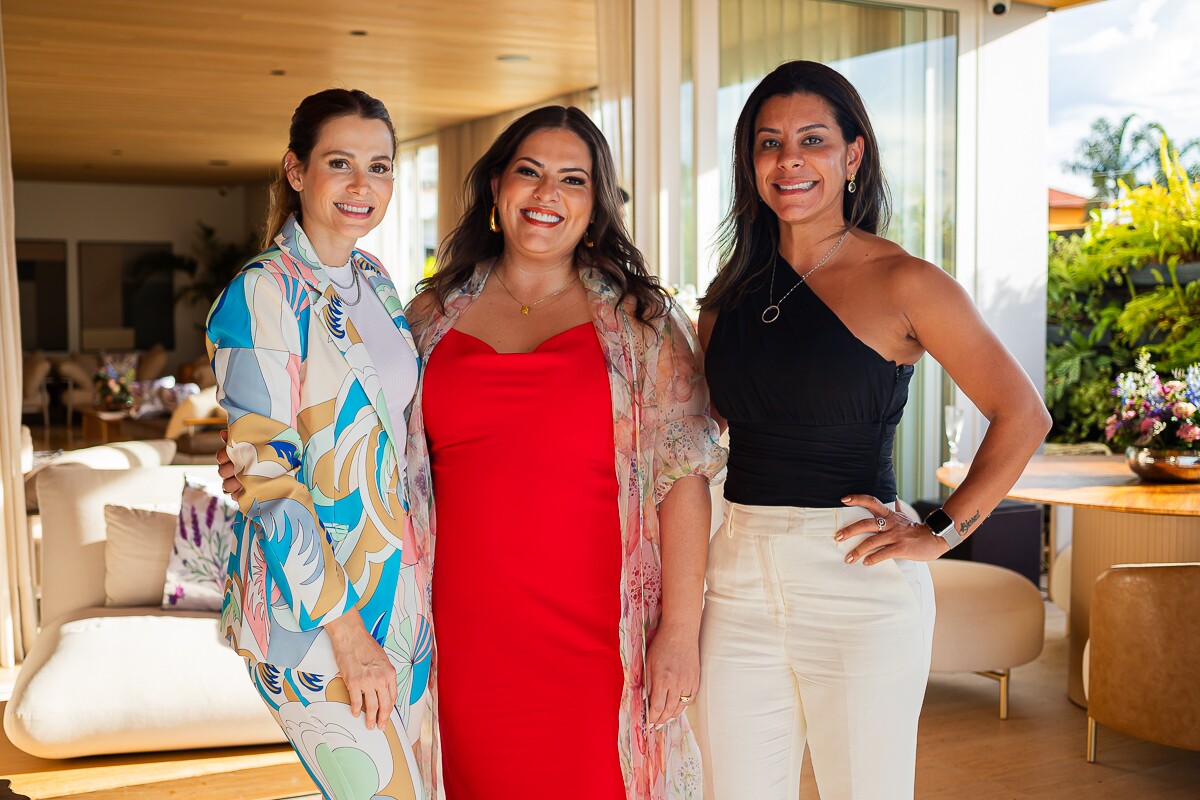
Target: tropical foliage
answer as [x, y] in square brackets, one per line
[1097, 313]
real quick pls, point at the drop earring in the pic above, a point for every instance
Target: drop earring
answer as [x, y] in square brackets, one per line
[492, 226]
[851, 186]
[586, 241]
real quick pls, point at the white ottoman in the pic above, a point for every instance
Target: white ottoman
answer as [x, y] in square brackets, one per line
[989, 620]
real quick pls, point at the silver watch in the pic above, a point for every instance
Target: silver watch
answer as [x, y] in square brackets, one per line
[943, 527]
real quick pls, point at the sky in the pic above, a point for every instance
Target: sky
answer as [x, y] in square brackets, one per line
[1119, 57]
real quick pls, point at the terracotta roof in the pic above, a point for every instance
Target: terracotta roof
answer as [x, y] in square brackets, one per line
[1066, 200]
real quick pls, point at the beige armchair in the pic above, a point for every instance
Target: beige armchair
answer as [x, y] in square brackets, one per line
[35, 368]
[1142, 662]
[79, 371]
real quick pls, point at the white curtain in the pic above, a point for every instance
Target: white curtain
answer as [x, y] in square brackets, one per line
[461, 146]
[614, 89]
[18, 615]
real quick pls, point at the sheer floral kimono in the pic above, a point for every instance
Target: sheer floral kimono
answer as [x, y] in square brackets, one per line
[662, 432]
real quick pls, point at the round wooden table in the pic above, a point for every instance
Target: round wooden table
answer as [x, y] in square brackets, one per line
[1118, 519]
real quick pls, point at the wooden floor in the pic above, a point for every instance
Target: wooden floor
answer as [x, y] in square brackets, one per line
[966, 751]
[259, 773]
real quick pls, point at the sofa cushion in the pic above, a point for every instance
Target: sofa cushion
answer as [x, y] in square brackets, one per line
[195, 576]
[72, 506]
[197, 406]
[133, 680]
[152, 363]
[136, 551]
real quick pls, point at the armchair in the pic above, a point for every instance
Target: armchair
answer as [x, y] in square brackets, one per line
[1142, 662]
[35, 368]
[79, 371]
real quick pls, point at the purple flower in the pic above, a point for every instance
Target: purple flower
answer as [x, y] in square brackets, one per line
[195, 527]
[210, 513]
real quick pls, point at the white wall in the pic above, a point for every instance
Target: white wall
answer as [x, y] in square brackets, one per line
[87, 212]
[1003, 131]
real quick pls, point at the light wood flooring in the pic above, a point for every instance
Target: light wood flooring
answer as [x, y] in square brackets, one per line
[966, 751]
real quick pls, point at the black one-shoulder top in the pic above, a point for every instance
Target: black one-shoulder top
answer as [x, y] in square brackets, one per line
[812, 410]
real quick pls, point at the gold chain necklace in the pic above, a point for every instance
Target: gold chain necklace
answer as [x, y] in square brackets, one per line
[771, 312]
[526, 307]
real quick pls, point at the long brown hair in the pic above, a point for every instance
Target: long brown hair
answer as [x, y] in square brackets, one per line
[613, 253]
[749, 234]
[307, 121]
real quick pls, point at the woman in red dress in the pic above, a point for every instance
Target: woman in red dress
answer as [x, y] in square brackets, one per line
[561, 431]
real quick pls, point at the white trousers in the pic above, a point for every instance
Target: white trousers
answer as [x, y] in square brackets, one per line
[797, 647]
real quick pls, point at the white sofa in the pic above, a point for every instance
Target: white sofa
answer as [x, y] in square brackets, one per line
[119, 680]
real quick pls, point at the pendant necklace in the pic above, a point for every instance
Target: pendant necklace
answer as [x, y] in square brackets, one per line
[771, 312]
[526, 307]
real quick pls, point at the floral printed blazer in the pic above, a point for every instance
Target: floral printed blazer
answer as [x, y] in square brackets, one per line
[323, 524]
[662, 432]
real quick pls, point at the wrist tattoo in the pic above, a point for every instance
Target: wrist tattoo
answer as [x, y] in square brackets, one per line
[967, 524]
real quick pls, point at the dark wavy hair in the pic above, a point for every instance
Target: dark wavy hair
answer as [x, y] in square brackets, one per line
[749, 234]
[614, 253]
[307, 121]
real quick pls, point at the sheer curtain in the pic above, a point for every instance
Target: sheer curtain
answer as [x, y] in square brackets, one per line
[18, 617]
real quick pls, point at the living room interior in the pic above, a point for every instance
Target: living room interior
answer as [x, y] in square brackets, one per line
[143, 138]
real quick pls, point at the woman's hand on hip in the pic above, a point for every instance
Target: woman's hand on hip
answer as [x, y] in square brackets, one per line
[227, 471]
[672, 673]
[894, 534]
[368, 673]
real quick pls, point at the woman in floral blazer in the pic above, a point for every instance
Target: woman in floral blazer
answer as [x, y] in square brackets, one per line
[315, 365]
[662, 431]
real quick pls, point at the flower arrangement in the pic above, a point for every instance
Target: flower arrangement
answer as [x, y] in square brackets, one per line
[113, 390]
[1155, 413]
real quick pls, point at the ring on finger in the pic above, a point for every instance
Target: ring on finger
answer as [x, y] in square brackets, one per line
[685, 698]
[881, 523]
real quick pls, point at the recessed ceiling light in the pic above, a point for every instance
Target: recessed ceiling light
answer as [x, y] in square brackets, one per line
[279, 72]
[218, 162]
[513, 57]
[358, 33]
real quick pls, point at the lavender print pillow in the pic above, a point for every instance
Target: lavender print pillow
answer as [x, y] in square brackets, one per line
[203, 538]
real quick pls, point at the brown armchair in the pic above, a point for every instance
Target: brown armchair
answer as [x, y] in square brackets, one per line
[1142, 665]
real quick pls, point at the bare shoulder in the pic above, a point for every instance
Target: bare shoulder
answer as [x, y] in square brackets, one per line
[906, 276]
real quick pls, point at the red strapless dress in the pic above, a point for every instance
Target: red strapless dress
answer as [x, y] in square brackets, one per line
[527, 569]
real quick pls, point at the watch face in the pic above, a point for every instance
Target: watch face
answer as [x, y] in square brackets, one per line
[939, 522]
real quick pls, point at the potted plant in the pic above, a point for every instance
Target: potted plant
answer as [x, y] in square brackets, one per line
[211, 269]
[1157, 422]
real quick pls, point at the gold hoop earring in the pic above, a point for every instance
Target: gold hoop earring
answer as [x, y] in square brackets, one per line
[851, 187]
[492, 220]
[586, 241]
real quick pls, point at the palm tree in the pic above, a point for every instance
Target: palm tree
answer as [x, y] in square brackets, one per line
[1114, 152]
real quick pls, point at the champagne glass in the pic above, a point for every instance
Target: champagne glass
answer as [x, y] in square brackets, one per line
[954, 419]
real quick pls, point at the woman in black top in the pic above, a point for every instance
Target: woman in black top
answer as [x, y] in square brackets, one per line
[818, 615]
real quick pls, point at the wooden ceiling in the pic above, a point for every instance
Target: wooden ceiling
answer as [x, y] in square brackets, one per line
[168, 91]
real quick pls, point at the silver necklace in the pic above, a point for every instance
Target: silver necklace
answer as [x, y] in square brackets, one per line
[355, 281]
[771, 312]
